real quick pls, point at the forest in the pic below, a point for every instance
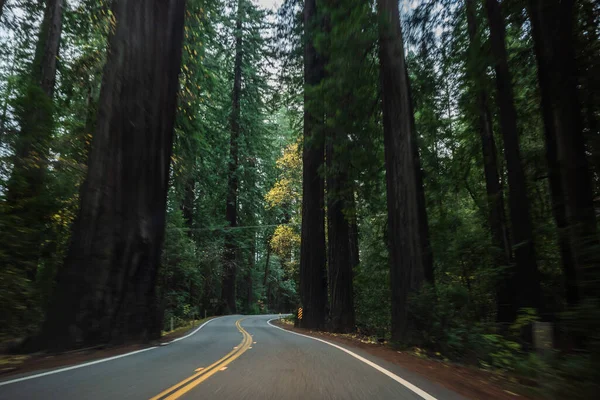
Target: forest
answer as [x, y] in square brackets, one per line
[424, 172]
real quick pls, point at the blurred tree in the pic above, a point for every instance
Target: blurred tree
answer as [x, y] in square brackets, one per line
[523, 278]
[313, 273]
[407, 263]
[106, 289]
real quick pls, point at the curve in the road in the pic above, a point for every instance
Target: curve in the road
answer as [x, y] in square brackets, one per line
[384, 371]
[181, 388]
[282, 365]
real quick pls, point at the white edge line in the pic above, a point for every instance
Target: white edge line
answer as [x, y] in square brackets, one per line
[194, 332]
[56, 371]
[384, 371]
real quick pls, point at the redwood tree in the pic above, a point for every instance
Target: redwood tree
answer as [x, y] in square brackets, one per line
[342, 254]
[106, 288]
[495, 195]
[523, 279]
[313, 274]
[405, 230]
[25, 189]
[229, 256]
[570, 181]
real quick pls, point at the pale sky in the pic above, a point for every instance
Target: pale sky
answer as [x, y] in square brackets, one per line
[274, 4]
[269, 4]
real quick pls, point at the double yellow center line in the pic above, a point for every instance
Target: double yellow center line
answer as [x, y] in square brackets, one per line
[178, 390]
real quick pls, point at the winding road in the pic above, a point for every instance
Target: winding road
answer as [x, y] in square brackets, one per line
[232, 357]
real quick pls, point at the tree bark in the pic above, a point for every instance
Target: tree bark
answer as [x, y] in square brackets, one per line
[556, 189]
[229, 257]
[426, 251]
[404, 227]
[354, 241]
[249, 291]
[588, 57]
[523, 279]
[552, 27]
[495, 195]
[106, 288]
[313, 274]
[339, 240]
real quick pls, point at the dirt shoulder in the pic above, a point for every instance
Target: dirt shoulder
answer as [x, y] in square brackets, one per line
[14, 364]
[469, 382]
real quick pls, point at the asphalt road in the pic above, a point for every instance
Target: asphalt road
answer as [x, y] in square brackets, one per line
[232, 359]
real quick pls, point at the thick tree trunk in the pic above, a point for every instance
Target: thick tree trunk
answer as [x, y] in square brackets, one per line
[339, 240]
[229, 257]
[26, 186]
[426, 251]
[106, 289]
[588, 57]
[545, 78]
[313, 274]
[495, 195]
[552, 26]
[404, 228]
[524, 280]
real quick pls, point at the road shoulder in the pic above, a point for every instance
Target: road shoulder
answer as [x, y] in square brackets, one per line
[469, 382]
[13, 365]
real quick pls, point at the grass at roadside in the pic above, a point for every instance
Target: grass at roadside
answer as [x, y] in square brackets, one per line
[183, 329]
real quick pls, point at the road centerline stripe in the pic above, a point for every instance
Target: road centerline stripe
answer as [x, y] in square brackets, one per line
[179, 389]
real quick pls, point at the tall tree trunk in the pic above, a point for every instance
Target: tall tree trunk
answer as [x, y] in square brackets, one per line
[106, 288]
[524, 280]
[229, 257]
[556, 189]
[552, 26]
[404, 228]
[266, 283]
[251, 258]
[588, 57]
[495, 195]
[313, 274]
[354, 248]
[26, 185]
[339, 240]
[187, 209]
[425, 243]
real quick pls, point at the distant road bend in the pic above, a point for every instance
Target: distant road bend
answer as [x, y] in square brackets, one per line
[232, 357]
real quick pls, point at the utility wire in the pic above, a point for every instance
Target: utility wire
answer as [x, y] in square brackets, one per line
[226, 228]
